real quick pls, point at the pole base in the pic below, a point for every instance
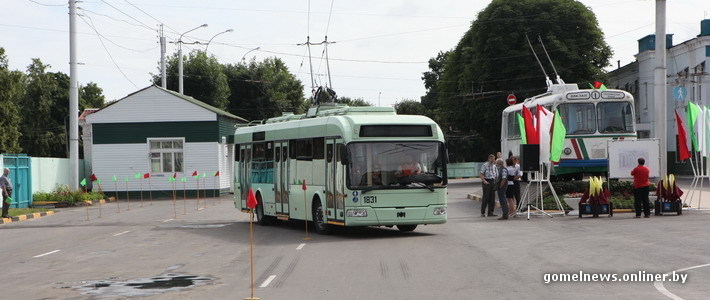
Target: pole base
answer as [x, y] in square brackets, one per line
[252, 298]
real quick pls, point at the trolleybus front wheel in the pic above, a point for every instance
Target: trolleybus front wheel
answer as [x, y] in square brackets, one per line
[260, 217]
[405, 228]
[318, 220]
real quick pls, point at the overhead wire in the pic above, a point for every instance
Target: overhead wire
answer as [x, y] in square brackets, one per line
[44, 4]
[91, 24]
[127, 15]
[117, 44]
[147, 14]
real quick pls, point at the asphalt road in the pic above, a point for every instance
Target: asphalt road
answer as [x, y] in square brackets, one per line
[147, 252]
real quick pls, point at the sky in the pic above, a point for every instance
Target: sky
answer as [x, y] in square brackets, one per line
[380, 48]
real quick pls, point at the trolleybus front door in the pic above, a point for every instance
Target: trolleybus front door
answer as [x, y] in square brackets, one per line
[281, 184]
[244, 173]
[335, 176]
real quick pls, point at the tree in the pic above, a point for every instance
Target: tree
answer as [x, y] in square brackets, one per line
[45, 109]
[493, 59]
[261, 90]
[91, 96]
[203, 78]
[353, 101]
[410, 107]
[11, 90]
[431, 79]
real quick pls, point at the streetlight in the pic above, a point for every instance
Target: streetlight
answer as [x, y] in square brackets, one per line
[245, 54]
[180, 89]
[208, 42]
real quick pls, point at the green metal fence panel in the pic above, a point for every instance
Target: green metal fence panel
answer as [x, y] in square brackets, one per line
[20, 166]
[463, 170]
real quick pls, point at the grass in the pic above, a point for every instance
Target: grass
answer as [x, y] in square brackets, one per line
[25, 211]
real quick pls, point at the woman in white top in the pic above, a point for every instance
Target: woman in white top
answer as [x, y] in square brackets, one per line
[510, 166]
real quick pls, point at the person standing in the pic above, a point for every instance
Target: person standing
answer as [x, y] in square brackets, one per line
[641, 184]
[6, 186]
[502, 186]
[510, 192]
[516, 180]
[488, 174]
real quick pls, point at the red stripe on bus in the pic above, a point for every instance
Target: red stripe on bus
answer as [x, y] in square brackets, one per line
[576, 148]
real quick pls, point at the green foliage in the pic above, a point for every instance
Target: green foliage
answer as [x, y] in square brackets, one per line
[411, 107]
[261, 90]
[91, 96]
[63, 194]
[11, 90]
[353, 101]
[203, 78]
[493, 59]
[45, 109]
[621, 191]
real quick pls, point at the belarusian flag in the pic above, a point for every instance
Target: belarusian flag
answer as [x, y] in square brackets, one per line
[251, 199]
[683, 152]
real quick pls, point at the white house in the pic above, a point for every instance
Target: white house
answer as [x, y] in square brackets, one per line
[161, 133]
[687, 66]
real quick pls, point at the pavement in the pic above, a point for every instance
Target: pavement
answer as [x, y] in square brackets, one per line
[40, 214]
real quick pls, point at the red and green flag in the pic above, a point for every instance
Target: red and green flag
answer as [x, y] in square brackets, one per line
[598, 86]
[83, 182]
[194, 174]
[93, 177]
[530, 131]
[683, 152]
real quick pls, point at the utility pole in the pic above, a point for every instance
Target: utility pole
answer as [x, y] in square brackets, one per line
[73, 101]
[163, 79]
[660, 90]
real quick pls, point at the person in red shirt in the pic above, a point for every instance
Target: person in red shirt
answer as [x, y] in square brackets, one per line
[641, 183]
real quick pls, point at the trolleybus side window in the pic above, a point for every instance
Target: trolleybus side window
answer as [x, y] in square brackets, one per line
[292, 149]
[579, 118]
[615, 117]
[318, 148]
[304, 149]
[513, 127]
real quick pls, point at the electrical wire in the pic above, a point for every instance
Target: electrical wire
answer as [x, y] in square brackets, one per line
[116, 44]
[106, 49]
[127, 15]
[44, 4]
[138, 8]
[110, 17]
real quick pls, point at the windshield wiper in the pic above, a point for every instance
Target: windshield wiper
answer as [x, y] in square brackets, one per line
[424, 185]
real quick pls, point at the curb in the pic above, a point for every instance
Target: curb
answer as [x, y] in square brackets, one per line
[26, 217]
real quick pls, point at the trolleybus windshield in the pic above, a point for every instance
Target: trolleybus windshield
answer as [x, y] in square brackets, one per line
[375, 165]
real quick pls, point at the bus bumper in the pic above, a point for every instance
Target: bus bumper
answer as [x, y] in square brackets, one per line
[385, 216]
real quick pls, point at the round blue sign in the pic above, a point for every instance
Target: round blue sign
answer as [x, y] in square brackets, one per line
[680, 93]
[355, 199]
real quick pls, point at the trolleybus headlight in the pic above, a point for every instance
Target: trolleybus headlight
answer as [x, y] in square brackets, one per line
[439, 211]
[567, 151]
[356, 213]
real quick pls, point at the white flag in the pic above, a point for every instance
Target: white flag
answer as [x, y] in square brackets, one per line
[545, 118]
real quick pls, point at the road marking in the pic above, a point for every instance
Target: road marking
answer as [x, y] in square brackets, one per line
[121, 233]
[267, 281]
[659, 284]
[168, 220]
[48, 253]
[301, 246]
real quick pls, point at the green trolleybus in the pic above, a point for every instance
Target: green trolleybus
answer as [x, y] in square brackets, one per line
[344, 166]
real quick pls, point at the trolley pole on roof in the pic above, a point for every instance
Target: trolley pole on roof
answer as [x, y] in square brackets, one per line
[659, 92]
[73, 102]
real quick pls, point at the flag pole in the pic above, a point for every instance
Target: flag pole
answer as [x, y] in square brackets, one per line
[141, 181]
[87, 204]
[115, 187]
[305, 209]
[214, 192]
[174, 200]
[184, 196]
[204, 185]
[100, 192]
[128, 196]
[150, 191]
[251, 203]
[198, 193]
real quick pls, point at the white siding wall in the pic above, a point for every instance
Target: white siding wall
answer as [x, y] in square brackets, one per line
[142, 107]
[128, 159]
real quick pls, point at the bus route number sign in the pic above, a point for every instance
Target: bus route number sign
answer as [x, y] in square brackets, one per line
[369, 199]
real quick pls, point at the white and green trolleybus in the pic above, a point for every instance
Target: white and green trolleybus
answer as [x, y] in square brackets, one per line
[343, 166]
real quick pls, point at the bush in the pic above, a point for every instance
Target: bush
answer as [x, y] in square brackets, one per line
[63, 194]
